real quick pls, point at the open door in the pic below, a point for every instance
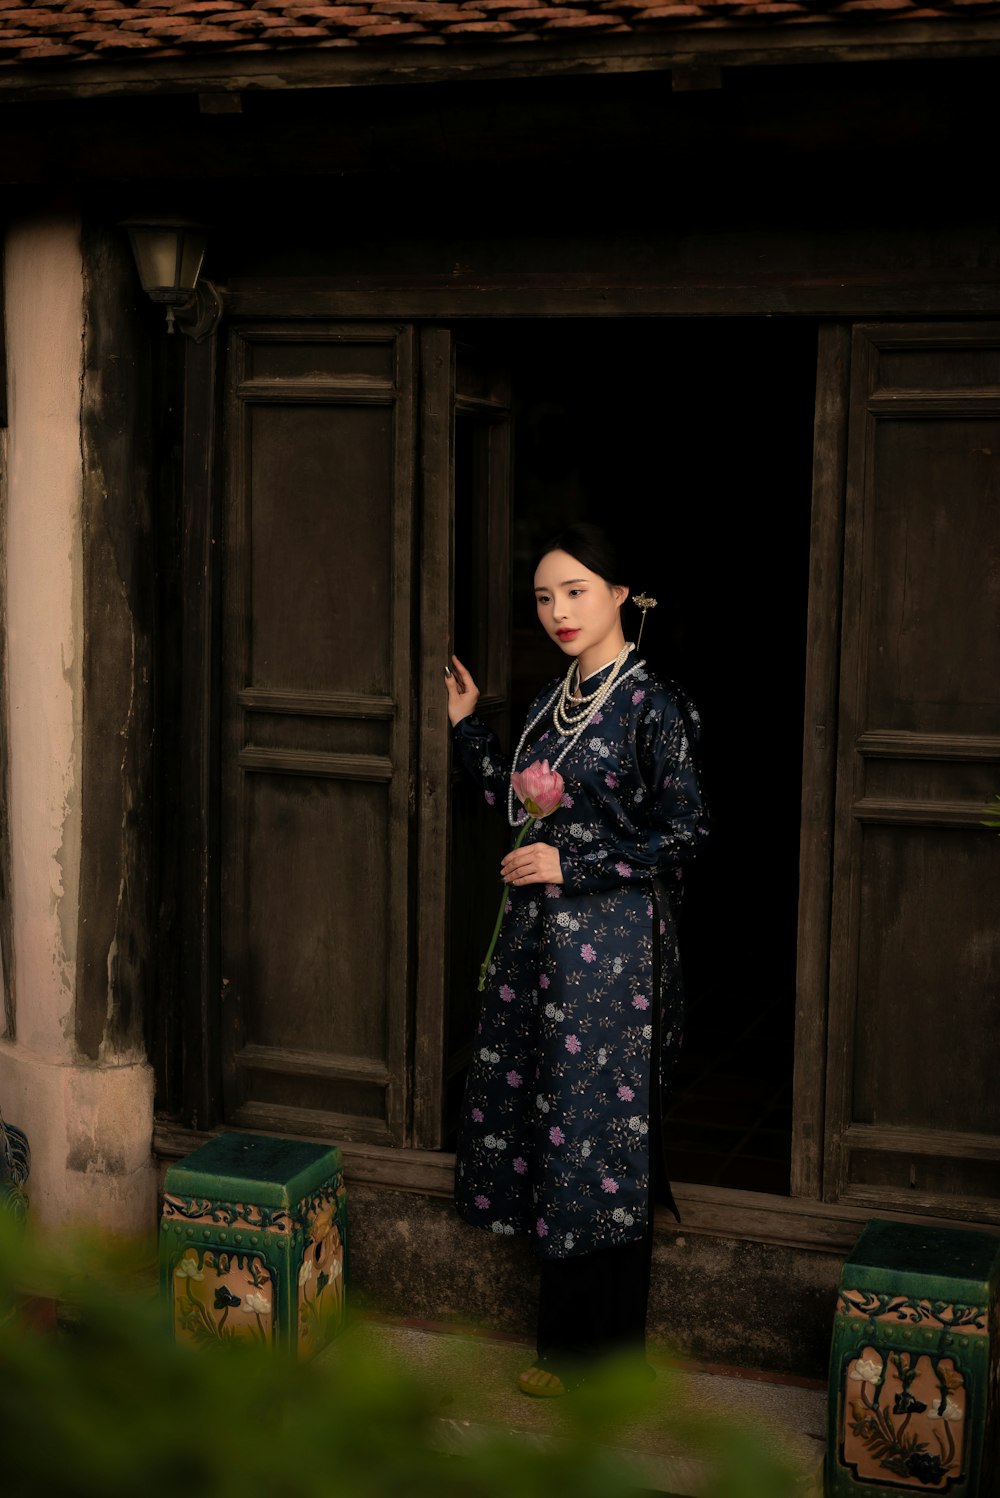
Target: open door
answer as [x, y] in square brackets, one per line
[465, 584]
[318, 751]
[913, 1109]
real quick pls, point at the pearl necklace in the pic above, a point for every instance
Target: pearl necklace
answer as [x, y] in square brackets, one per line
[594, 702]
[570, 710]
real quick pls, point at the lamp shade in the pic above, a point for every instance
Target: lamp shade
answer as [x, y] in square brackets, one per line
[168, 254]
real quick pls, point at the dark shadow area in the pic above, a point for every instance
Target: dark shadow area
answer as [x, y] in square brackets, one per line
[695, 438]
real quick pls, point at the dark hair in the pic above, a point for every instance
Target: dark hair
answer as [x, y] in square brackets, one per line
[591, 545]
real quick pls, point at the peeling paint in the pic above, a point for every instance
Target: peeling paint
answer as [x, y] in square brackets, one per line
[89, 1127]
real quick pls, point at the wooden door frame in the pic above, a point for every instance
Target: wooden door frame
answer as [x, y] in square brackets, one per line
[436, 590]
[819, 756]
[802, 1219]
[199, 871]
[443, 403]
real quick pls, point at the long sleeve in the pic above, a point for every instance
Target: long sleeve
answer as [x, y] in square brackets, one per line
[479, 751]
[668, 824]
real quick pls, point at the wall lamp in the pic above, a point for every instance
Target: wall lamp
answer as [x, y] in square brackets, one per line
[168, 254]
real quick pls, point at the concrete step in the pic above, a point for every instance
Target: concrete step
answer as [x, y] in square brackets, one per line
[475, 1377]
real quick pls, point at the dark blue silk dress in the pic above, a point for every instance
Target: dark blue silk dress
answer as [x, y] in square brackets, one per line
[584, 988]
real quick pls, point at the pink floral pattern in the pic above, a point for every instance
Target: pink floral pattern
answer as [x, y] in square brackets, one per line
[571, 1008]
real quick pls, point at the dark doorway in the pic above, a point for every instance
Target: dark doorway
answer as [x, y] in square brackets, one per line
[697, 437]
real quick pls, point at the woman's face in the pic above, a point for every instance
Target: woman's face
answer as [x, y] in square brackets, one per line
[579, 609]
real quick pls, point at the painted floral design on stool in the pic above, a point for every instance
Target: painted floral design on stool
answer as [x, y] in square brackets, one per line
[321, 1278]
[221, 1296]
[904, 1419]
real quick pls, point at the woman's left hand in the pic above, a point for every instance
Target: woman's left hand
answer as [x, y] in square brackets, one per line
[534, 863]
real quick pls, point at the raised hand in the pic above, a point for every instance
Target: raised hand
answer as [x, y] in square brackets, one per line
[463, 694]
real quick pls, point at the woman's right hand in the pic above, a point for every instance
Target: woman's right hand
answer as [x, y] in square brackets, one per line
[463, 694]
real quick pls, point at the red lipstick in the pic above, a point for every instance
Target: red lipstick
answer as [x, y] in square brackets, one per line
[566, 634]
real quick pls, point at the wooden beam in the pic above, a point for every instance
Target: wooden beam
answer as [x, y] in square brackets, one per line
[569, 295]
[341, 67]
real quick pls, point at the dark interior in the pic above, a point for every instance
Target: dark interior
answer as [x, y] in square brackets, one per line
[696, 435]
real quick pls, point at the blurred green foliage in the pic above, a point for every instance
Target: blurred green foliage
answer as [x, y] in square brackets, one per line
[105, 1405]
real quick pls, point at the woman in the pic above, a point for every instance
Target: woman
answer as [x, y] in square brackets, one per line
[560, 1126]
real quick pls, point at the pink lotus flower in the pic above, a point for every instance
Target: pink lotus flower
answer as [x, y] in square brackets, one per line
[640, 1002]
[572, 1044]
[626, 1094]
[587, 953]
[624, 869]
[538, 788]
[609, 1185]
[556, 1135]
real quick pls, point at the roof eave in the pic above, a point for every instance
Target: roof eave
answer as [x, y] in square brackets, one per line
[680, 51]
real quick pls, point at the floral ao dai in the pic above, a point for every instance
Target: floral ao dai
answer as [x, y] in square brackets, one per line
[584, 987]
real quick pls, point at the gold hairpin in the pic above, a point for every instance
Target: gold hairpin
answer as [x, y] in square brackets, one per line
[645, 602]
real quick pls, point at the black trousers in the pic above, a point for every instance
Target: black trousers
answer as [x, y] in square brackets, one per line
[594, 1305]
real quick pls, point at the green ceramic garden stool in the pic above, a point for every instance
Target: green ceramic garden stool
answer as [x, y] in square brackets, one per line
[915, 1365]
[253, 1242]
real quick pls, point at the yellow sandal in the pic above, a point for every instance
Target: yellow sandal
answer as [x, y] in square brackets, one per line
[541, 1384]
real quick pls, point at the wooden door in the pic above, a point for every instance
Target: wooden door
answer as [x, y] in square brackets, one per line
[913, 1106]
[465, 607]
[318, 734]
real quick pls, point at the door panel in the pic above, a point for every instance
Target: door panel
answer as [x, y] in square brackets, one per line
[934, 591]
[320, 580]
[912, 1113]
[317, 734]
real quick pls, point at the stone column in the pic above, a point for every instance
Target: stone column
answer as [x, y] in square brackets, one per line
[85, 1103]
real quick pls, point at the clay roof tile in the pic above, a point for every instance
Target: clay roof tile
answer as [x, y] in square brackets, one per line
[577, 23]
[78, 29]
[367, 31]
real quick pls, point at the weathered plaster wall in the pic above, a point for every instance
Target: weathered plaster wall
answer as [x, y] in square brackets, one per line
[88, 1121]
[44, 310]
[7, 977]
